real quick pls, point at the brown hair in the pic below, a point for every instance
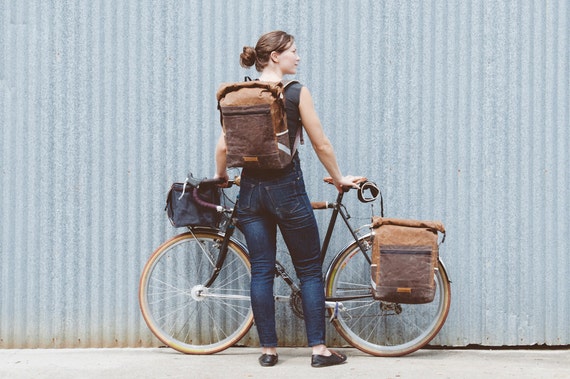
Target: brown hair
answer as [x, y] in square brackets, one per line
[277, 41]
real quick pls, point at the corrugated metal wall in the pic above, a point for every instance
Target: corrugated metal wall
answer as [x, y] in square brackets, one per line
[460, 110]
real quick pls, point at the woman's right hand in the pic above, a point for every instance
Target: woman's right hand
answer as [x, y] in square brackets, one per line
[345, 182]
[223, 177]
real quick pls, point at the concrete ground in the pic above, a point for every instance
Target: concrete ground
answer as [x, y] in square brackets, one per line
[293, 363]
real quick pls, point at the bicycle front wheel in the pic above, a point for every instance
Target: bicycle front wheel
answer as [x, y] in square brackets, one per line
[177, 307]
[377, 327]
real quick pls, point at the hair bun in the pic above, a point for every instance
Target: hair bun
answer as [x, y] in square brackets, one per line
[247, 57]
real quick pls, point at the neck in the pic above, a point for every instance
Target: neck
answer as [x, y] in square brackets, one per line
[271, 76]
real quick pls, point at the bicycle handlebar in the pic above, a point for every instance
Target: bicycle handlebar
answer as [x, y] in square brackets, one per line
[206, 183]
[195, 182]
[205, 204]
[367, 192]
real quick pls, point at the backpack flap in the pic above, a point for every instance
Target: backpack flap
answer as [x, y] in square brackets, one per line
[263, 90]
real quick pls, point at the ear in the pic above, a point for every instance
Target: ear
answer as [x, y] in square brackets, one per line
[274, 56]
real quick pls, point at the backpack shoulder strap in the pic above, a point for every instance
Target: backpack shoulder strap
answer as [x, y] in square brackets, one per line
[299, 140]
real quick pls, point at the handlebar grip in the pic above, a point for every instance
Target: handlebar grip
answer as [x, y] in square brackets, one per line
[197, 182]
[320, 204]
[210, 182]
[203, 203]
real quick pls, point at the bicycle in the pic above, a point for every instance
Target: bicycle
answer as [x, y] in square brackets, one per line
[194, 289]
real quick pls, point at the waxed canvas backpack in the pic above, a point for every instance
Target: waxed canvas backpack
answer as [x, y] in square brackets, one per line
[254, 121]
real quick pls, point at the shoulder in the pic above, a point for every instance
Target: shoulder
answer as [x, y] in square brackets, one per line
[305, 95]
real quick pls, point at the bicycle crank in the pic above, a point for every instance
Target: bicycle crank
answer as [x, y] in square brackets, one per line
[296, 303]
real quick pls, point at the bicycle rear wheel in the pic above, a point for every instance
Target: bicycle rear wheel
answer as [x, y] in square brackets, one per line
[377, 327]
[177, 307]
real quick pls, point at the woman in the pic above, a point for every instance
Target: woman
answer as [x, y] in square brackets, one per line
[277, 198]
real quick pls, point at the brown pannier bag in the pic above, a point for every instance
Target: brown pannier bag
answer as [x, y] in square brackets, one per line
[254, 121]
[405, 254]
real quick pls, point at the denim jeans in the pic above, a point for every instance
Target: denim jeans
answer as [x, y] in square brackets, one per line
[265, 205]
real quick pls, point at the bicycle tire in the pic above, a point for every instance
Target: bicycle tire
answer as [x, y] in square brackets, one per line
[376, 327]
[179, 310]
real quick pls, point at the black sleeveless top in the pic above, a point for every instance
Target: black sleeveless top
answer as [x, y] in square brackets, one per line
[292, 99]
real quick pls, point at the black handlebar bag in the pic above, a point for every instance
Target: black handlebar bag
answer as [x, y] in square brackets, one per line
[183, 210]
[405, 254]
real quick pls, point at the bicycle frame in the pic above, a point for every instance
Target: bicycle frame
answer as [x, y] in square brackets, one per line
[225, 242]
[337, 209]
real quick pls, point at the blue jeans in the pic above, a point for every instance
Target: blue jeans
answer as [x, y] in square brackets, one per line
[265, 205]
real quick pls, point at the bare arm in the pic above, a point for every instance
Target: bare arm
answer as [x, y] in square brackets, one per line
[321, 143]
[221, 169]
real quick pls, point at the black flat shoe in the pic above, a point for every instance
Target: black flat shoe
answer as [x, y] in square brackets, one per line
[268, 360]
[324, 361]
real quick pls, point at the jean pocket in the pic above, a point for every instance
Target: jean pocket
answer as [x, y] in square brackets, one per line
[286, 197]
